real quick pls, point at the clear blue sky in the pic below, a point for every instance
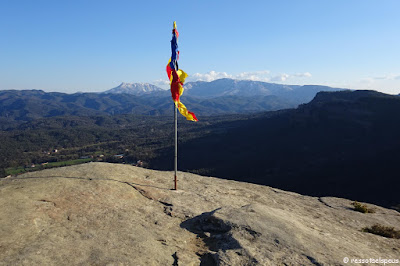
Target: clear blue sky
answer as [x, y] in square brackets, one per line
[85, 45]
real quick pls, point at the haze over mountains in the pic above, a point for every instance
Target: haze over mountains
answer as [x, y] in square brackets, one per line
[224, 96]
[295, 94]
[134, 88]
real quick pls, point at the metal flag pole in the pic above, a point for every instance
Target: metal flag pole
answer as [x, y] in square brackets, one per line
[176, 147]
[176, 133]
[177, 78]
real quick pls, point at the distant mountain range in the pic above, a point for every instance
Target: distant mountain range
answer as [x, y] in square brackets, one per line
[224, 96]
[294, 94]
[21, 106]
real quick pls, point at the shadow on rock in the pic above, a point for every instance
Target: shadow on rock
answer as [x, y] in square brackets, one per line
[215, 233]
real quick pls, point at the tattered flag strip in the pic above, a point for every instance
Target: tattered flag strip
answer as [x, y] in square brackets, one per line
[177, 77]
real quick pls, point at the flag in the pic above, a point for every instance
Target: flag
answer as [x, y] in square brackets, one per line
[177, 77]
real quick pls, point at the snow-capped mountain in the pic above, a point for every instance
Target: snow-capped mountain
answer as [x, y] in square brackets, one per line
[134, 88]
[248, 88]
[225, 87]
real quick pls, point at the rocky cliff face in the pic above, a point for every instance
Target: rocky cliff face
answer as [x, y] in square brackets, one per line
[109, 214]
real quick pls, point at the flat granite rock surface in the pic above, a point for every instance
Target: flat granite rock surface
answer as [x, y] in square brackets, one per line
[113, 214]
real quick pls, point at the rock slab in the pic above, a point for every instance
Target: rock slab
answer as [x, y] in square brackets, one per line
[110, 214]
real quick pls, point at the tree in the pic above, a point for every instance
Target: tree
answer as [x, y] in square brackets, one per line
[2, 172]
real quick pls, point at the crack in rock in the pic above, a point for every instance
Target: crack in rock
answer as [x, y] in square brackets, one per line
[141, 191]
[313, 261]
[48, 201]
[323, 202]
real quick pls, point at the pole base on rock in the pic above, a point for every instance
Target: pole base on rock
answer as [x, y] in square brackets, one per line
[176, 183]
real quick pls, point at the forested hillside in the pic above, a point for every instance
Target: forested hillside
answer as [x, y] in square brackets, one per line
[224, 96]
[136, 137]
[17, 107]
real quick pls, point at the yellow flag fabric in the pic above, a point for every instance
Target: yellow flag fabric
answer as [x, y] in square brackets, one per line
[184, 111]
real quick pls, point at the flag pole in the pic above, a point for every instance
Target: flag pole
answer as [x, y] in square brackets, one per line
[176, 147]
[176, 136]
